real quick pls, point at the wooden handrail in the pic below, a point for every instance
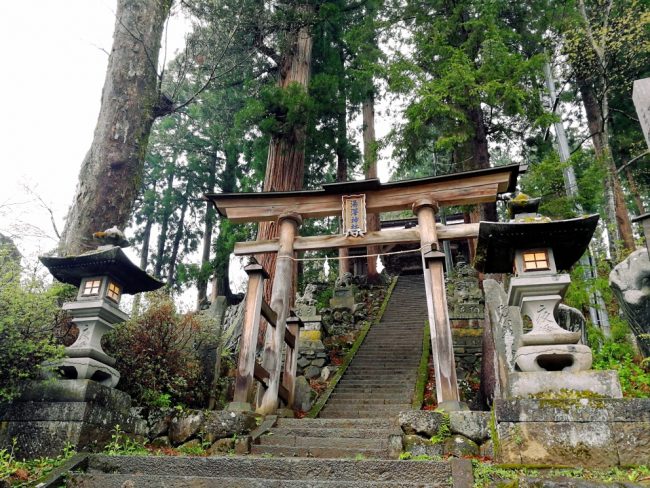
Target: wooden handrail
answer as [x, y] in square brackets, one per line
[268, 313]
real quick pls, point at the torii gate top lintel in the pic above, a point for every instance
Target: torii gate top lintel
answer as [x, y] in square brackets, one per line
[478, 186]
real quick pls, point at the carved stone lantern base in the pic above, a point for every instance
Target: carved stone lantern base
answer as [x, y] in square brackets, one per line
[569, 358]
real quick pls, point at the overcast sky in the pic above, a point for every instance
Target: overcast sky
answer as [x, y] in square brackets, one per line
[54, 56]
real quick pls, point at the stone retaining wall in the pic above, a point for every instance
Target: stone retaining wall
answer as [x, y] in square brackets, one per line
[585, 432]
[467, 352]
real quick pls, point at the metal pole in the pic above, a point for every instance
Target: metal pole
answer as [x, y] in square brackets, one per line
[597, 309]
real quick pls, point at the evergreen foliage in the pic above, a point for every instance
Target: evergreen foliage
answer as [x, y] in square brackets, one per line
[29, 315]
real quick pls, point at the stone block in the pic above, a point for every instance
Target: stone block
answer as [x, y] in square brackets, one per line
[573, 410]
[632, 442]
[220, 447]
[304, 396]
[460, 446]
[421, 422]
[588, 444]
[605, 383]
[77, 391]
[52, 414]
[312, 372]
[222, 424]
[319, 363]
[473, 425]
[184, 426]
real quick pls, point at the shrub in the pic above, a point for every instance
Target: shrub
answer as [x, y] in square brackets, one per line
[29, 312]
[156, 353]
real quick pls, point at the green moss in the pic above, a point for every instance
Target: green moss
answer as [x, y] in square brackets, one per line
[423, 369]
[565, 399]
[494, 433]
[322, 400]
[467, 332]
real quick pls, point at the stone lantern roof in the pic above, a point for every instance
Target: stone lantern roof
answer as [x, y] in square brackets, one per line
[102, 262]
[498, 241]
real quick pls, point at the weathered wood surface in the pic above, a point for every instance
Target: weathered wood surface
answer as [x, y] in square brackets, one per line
[248, 342]
[268, 313]
[291, 358]
[267, 399]
[378, 238]
[434, 280]
[481, 189]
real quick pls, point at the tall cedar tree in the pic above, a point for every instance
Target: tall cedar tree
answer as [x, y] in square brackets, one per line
[111, 173]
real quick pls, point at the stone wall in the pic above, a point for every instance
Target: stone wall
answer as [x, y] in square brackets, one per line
[587, 432]
[467, 352]
[573, 432]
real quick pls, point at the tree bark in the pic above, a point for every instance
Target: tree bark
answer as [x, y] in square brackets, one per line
[111, 172]
[634, 190]
[370, 164]
[341, 153]
[180, 230]
[285, 164]
[481, 156]
[615, 208]
[202, 282]
[164, 223]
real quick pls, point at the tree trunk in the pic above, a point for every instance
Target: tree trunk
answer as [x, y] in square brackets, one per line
[171, 275]
[634, 190]
[221, 278]
[619, 223]
[164, 223]
[111, 172]
[370, 164]
[341, 152]
[481, 156]
[202, 282]
[146, 238]
[285, 164]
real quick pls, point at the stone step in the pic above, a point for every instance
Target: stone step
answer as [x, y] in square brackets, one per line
[351, 392]
[319, 452]
[275, 439]
[154, 481]
[341, 471]
[375, 383]
[353, 409]
[335, 423]
[348, 433]
[361, 414]
[354, 394]
[368, 400]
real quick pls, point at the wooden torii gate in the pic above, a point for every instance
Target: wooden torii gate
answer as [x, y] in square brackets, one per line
[424, 196]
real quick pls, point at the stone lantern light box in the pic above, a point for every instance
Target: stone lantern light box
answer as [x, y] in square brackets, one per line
[102, 276]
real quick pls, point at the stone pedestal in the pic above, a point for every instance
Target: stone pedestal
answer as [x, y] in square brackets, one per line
[81, 413]
[603, 383]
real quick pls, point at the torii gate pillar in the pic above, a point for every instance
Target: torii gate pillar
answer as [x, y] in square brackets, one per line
[280, 302]
[434, 280]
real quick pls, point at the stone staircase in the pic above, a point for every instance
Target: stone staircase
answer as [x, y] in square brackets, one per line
[359, 417]
[380, 380]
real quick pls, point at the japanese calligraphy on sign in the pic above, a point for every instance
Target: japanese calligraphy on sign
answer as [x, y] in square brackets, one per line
[354, 215]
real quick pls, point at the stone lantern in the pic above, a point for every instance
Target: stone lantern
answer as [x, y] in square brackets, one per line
[102, 276]
[536, 250]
